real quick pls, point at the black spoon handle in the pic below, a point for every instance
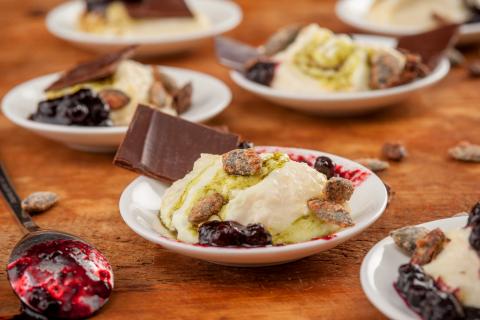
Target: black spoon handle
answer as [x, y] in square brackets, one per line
[14, 202]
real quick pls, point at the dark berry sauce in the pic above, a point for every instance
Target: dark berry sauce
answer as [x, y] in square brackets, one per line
[82, 108]
[261, 71]
[474, 223]
[65, 279]
[231, 233]
[430, 299]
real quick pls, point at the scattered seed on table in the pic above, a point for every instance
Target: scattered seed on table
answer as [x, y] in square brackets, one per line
[39, 202]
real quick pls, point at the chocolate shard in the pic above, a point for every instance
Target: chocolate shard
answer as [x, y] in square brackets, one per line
[151, 9]
[164, 147]
[430, 45]
[100, 68]
[281, 39]
[234, 54]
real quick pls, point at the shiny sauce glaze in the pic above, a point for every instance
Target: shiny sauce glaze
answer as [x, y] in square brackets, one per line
[62, 279]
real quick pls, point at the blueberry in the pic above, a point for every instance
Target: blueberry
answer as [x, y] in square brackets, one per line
[325, 165]
[78, 113]
[261, 71]
[245, 145]
[256, 235]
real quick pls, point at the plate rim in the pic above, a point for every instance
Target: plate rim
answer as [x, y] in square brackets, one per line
[242, 252]
[7, 103]
[367, 287]
[85, 37]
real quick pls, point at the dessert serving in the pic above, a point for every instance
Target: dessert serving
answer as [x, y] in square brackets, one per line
[311, 59]
[245, 198]
[423, 15]
[106, 92]
[140, 17]
[207, 194]
[442, 279]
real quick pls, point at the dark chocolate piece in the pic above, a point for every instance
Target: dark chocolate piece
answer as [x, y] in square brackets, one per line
[430, 45]
[165, 147]
[234, 54]
[151, 9]
[281, 39]
[100, 68]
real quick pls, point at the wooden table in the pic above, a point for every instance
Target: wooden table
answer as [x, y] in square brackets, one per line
[152, 283]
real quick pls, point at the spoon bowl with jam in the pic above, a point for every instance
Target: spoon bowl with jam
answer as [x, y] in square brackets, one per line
[55, 274]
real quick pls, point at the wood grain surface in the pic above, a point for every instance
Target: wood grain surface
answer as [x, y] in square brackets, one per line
[152, 283]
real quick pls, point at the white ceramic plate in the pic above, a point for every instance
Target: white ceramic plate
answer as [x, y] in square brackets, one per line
[353, 13]
[140, 203]
[224, 15]
[380, 270]
[210, 97]
[344, 103]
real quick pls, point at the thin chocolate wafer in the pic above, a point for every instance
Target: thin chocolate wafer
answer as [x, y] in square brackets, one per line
[430, 45]
[234, 54]
[150, 9]
[99, 68]
[164, 147]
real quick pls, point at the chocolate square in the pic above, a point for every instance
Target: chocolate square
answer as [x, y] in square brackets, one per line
[430, 45]
[165, 147]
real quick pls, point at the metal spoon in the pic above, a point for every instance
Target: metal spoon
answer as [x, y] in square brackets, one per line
[53, 273]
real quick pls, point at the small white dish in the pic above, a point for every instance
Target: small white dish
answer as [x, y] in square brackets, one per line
[140, 203]
[353, 13]
[344, 103]
[223, 15]
[379, 271]
[210, 97]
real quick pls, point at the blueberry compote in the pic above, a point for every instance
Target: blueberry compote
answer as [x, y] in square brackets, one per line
[62, 279]
[230, 233]
[428, 298]
[262, 71]
[82, 108]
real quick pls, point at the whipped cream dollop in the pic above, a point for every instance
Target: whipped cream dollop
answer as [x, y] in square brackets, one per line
[320, 61]
[276, 198]
[458, 267]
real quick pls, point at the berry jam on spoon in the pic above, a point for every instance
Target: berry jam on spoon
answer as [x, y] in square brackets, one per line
[55, 274]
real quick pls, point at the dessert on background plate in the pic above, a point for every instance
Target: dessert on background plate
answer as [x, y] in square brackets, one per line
[90, 106]
[228, 195]
[403, 17]
[106, 92]
[441, 279]
[159, 26]
[140, 17]
[421, 15]
[313, 69]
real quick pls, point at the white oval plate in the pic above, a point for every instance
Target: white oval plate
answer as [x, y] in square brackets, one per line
[140, 203]
[344, 103]
[380, 270]
[210, 97]
[223, 15]
[353, 12]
